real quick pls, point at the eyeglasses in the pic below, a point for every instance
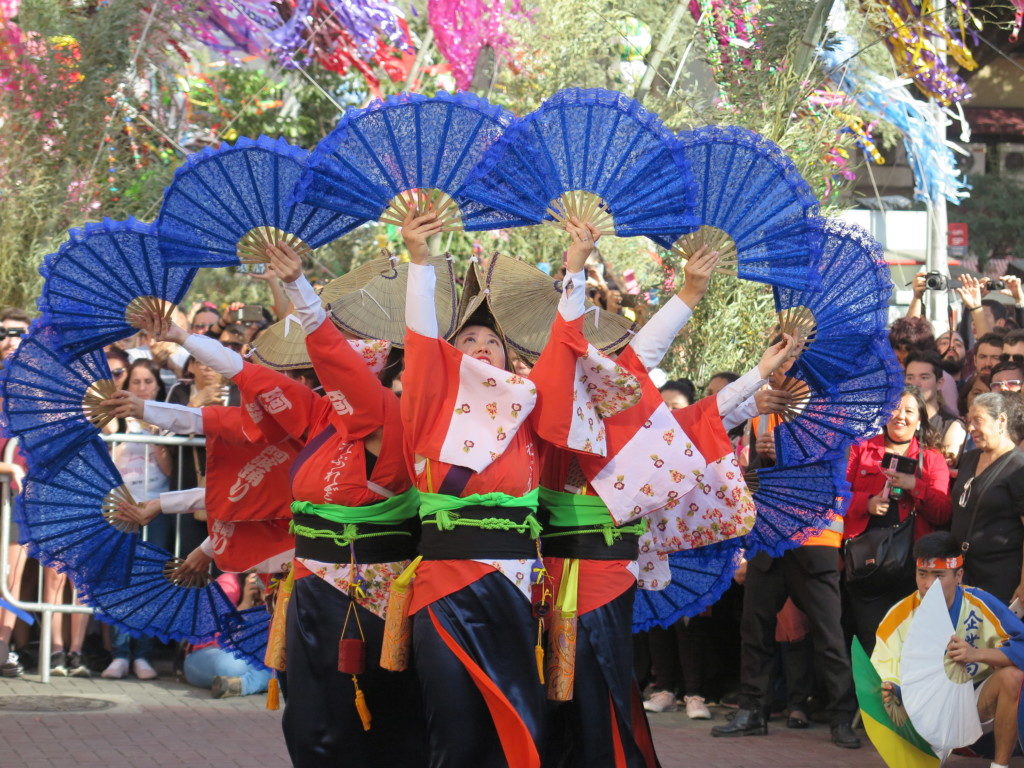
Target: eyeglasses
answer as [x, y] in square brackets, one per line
[119, 371]
[966, 494]
[1006, 357]
[1007, 384]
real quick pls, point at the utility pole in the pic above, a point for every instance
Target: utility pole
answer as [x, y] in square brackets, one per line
[936, 253]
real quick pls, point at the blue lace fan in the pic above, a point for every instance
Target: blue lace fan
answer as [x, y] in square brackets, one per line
[699, 578]
[593, 154]
[53, 406]
[842, 319]
[752, 206]
[66, 520]
[248, 639]
[408, 151]
[821, 420]
[794, 502]
[226, 205]
[101, 277]
[152, 603]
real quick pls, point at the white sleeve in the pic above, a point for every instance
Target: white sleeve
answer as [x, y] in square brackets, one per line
[420, 315]
[741, 413]
[180, 419]
[731, 395]
[224, 361]
[572, 304]
[657, 334]
[207, 546]
[308, 307]
[182, 502]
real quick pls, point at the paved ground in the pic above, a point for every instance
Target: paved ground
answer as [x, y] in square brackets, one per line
[168, 724]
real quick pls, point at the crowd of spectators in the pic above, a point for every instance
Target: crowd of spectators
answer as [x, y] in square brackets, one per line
[777, 640]
[949, 458]
[152, 370]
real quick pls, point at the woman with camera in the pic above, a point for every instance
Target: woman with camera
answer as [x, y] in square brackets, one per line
[899, 482]
[988, 499]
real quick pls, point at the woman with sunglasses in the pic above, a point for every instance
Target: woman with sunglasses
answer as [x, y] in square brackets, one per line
[988, 499]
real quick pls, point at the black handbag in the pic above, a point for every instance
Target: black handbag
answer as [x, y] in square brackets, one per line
[879, 559]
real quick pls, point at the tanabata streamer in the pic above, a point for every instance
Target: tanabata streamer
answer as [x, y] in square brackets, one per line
[47, 402]
[752, 205]
[103, 275]
[225, 205]
[407, 142]
[595, 154]
[699, 578]
[62, 518]
[846, 314]
[463, 28]
[929, 154]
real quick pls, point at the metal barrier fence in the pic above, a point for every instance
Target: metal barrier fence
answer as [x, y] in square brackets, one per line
[46, 610]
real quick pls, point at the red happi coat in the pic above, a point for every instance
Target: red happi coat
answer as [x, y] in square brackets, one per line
[247, 491]
[331, 467]
[675, 467]
[462, 412]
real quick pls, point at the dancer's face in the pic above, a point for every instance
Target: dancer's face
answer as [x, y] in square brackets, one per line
[481, 342]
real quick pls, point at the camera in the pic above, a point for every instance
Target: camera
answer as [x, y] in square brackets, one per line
[995, 285]
[936, 281]
[250, 314]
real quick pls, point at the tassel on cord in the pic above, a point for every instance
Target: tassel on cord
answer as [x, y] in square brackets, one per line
[274, 693]
[361, 708]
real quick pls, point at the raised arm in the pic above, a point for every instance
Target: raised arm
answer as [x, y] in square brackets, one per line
[657, 334]
[359, 400]
[266, 392]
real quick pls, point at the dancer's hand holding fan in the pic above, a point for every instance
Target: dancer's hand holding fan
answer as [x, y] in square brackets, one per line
[406, 155]
[70, 518]
[594, 155]
[101, 278]
[845, 313]
[53, 406]
[225, 205]
[158, 601]
[752, 206]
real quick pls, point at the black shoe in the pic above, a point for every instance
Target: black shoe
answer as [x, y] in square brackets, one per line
[58, 659]
[76, 665]
[746, 722]
[797, 719]
[843, 736]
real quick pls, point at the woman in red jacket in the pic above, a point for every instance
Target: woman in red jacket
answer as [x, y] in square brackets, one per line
[875, 490]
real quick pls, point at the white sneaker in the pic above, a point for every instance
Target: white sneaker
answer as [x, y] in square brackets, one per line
[116, 670]
[661, 701]
[143, 670]
[696, 709]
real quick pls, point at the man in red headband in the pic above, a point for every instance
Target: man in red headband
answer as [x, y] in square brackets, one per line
[988, 640]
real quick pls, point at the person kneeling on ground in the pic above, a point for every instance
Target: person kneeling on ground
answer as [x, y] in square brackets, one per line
[209, 666]
[988, 640]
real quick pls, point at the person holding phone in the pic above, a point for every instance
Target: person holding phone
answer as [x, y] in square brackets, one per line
[894, 475]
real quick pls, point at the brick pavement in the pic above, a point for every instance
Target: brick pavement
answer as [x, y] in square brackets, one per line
[168, 724]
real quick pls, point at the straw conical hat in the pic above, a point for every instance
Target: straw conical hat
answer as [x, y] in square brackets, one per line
[282, 346]
[524, 302]
[373, 304]
[472, 296]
